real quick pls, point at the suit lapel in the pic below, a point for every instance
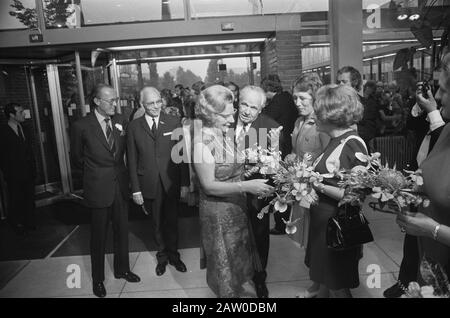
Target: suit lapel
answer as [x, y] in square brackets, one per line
[144, 125]
[98, 132]
[162, 125]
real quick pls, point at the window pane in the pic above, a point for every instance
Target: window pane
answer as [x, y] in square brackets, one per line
[208, 8]
[91, 12]
[19, 15]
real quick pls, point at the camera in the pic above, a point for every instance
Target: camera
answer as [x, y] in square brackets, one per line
[424, 87]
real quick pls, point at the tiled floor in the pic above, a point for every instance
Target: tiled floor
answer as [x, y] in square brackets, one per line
[287, 275]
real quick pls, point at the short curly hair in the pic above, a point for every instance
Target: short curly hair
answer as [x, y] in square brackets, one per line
[306, 82]
[338, 105]
[355, 76]
[212, 101]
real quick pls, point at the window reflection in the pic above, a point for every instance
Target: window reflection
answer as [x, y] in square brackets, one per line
[77, 13]
[17, 14]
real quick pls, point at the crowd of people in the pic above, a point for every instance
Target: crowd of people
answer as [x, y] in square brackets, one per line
[329, 122]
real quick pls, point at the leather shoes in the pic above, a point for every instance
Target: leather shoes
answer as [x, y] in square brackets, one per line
[161, 268]
[395, 291]
[179, 265]
[129, 277]
[261, 290]
[99, 289]
[275, 231]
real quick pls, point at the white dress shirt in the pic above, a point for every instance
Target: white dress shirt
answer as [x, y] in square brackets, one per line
[149, 120]
[102, 122]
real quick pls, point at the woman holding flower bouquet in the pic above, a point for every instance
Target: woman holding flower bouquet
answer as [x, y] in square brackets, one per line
[223, 203]
[306, 140]
[337, 110]
[432, 226]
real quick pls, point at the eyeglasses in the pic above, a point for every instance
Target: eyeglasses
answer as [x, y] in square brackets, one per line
[227, 115]
[151, 104]
[111, 101]
[244, 105]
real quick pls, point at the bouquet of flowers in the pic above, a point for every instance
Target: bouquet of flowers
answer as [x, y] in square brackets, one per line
[293, 181]
[264, 161]
[386, 184]
[434, 276]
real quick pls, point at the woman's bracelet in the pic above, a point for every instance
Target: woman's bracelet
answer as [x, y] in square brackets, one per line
[436, 232]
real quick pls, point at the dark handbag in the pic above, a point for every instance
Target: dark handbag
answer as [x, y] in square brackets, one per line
[348, 229]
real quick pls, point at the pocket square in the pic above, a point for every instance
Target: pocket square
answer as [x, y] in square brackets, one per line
[167, 134]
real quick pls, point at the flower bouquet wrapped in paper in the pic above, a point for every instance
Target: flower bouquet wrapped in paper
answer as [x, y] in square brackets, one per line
[293, 182]
[388, 185]
[437, 284]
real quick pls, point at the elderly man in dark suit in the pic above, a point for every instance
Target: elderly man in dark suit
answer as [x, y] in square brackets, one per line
[98, 148]
[19, 169]
[251, 126]
[155, 177]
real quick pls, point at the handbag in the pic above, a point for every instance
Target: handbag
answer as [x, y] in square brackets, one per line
[348, 229]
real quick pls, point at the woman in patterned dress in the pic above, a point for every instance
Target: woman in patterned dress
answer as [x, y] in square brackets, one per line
[223, 205]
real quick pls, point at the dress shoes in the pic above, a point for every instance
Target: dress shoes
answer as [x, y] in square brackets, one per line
[395, 291]
[99, 289]
[179, 265]
[161, 268]
[129, 277]
[261, 290]
[275, 231]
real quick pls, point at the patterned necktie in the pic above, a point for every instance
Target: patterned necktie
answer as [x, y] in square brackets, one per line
[154, 126]
[109, 136]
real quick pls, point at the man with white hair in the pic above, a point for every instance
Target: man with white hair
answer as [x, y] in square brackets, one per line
[155, 177]
[251, 126]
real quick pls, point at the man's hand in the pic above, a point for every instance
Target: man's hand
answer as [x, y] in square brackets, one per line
[138, 199]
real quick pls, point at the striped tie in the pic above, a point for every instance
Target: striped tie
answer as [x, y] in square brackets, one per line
[109, 136]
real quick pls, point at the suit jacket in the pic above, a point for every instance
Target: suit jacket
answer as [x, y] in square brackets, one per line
[101, 168]
[17, 157]
[283, 110]
[262, 121]
[149, 157]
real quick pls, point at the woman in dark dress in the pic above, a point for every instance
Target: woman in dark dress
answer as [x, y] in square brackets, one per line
[432, 224]
[337, 109]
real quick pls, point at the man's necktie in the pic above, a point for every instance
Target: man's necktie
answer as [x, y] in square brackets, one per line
[20, 132]
[154, 126]
[109, 136]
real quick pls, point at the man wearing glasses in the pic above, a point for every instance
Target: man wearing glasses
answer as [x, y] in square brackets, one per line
[155, 177]
[98, 148]
[251, 125]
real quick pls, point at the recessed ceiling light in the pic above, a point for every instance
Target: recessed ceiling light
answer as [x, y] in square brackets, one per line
[402, 17]
[414, 17]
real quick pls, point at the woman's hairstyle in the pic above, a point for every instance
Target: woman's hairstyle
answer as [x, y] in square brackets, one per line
[272, 83]
[212, 101]
[198, 87]
[306, 82]
[338, 105]
[166, 94]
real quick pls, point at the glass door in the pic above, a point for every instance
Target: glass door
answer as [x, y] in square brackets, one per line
[71, 84]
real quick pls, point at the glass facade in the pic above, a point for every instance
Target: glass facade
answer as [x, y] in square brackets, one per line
[76, 13]
[17, 14]
[208, 8]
